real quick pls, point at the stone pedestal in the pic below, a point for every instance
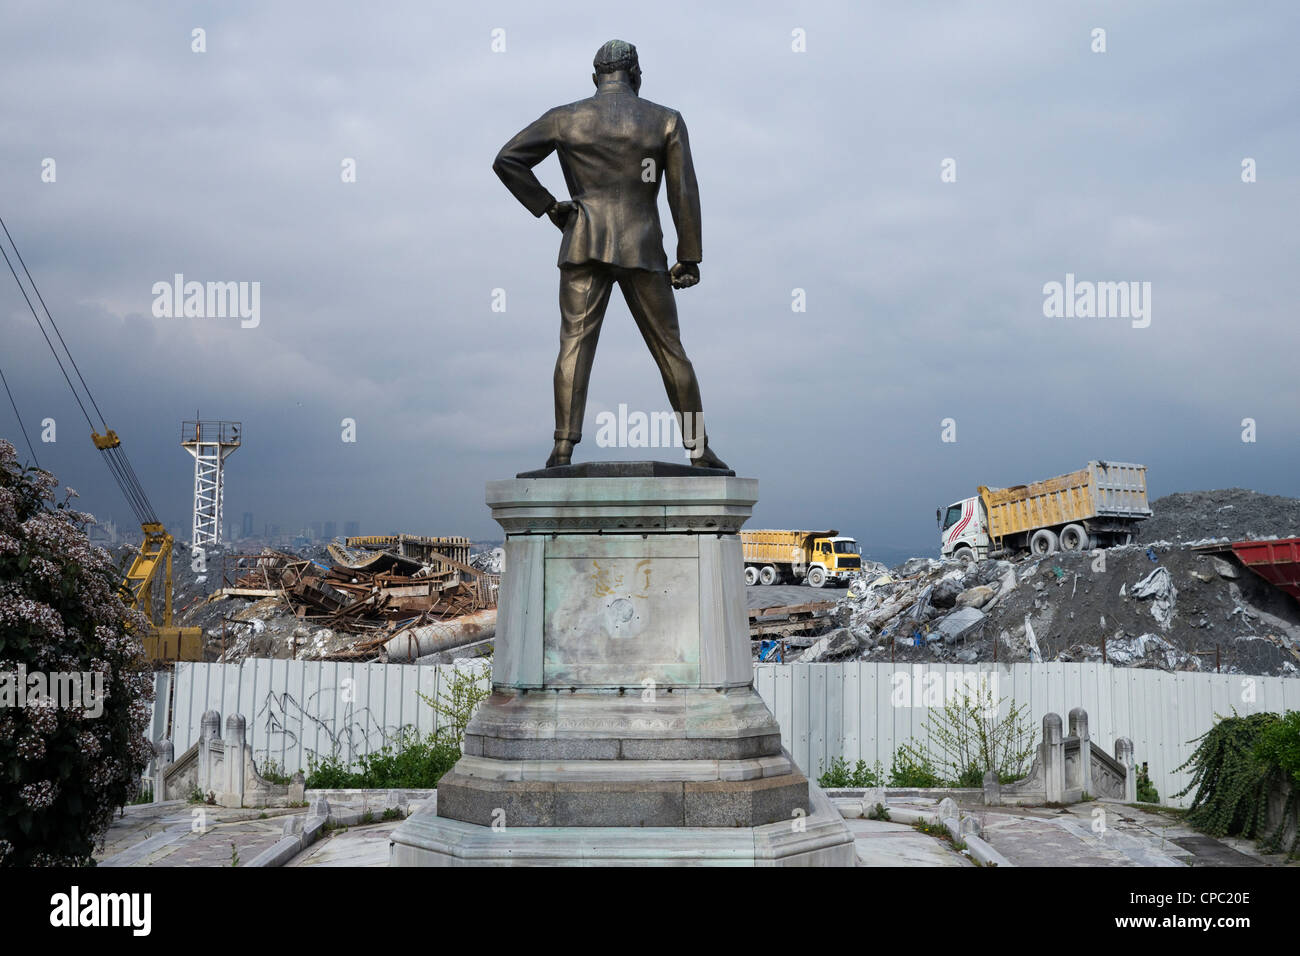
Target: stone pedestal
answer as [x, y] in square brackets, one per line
[623, 724]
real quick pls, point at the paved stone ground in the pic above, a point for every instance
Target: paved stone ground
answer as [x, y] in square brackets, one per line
[176, 833]
[166, 835]
[897, 844]
[355, 846]
[1110, 834]
[1085, 834]
[1075, 837]
[1194, 847]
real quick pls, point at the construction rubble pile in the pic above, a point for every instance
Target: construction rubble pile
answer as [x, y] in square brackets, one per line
[1228, 513]
[493, 561]
[1170, 601]
[353, 605]
[1170, 606]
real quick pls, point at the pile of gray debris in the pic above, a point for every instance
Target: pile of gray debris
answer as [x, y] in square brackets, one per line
[1166, 606]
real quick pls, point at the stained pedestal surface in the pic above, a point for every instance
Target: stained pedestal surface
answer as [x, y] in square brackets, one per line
[623, 724]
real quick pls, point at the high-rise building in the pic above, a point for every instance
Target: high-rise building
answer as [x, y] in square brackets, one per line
[331, 529]
[317, 529]
[246, 531]
[351, 529]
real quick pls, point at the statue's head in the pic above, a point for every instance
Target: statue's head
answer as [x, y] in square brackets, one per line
[617, 56]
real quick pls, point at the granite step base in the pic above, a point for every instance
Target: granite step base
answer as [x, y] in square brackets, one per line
[821, 838]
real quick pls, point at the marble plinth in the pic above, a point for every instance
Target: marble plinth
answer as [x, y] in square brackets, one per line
[623, 695]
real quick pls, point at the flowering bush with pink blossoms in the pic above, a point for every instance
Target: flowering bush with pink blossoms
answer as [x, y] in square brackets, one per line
[63, 771]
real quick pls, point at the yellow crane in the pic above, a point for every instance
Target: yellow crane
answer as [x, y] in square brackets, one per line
[164, 641]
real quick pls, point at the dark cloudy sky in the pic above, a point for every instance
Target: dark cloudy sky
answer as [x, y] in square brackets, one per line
[818, 170]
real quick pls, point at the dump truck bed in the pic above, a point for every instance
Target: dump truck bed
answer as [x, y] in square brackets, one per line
[1105, 489]
[773, 547]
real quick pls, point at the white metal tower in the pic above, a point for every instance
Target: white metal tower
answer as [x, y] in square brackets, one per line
[211, 443]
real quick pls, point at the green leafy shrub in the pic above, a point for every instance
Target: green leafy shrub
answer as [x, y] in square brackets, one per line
[840, 777]
[64, 771]
[1237, 762]
[466, 689]
[1279, 745]
[966, 738]
[1146, 790]
[409, 762]
[272, 772]
[912, 769]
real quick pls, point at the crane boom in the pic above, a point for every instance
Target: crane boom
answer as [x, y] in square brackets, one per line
[164, 642]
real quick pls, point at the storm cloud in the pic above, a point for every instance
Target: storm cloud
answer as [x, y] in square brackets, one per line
[822, 136]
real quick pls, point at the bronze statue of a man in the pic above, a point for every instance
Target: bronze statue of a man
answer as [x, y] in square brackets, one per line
[614, 148]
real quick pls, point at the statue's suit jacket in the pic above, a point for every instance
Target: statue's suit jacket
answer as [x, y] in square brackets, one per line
[604, 143]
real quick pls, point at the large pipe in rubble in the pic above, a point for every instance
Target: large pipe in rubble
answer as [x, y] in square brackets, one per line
[405, 646]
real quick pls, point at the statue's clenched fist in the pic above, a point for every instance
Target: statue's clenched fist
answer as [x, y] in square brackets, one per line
[684, 274]
[560, 213]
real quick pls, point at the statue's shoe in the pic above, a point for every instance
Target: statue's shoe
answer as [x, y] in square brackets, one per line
[560, 454]
[707, 459]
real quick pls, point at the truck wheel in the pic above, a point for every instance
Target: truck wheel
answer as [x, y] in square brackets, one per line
[751, 575]
[816, 577]
[1042, 542]
[768, 575]
[966, 556]
[1073, 538]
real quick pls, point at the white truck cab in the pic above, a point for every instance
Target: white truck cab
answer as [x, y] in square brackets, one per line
[964, 530]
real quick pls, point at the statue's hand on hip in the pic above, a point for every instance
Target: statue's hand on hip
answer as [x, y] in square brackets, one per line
[560, 212]
[684, 275]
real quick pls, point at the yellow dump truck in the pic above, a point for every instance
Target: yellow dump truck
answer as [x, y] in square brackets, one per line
[1097, 506]
[799, 557]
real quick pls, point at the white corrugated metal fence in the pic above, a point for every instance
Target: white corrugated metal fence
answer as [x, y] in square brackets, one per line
[856, 710]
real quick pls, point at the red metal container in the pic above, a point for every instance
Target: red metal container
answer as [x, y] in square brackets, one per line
[1277, 562]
